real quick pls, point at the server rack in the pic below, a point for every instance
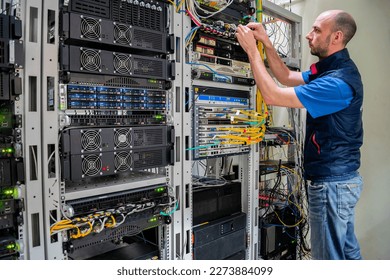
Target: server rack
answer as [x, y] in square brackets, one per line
[63, 116]
[282, 199]
[49, 115]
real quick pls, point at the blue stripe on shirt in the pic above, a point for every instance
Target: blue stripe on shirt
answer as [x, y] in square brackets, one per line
[324, 96]
[305, 76]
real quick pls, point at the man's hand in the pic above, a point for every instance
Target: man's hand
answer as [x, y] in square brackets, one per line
[272, 93]
[258, 31]
[246, 39]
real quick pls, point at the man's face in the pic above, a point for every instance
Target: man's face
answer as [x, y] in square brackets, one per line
[320, 36]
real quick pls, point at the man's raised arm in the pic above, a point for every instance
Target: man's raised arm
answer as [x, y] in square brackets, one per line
[284, 75]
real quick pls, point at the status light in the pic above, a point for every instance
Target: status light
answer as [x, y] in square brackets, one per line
[7, 150]
[8, 192]
[160, 189]
[11, 246]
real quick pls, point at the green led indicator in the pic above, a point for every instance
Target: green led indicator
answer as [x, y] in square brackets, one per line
[11, 246]
[158, 117]
[7, 150]
[152, 220]
[152, 81]
[8, 192]
[160, 189]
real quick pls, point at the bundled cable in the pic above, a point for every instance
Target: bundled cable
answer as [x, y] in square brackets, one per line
[79, 227]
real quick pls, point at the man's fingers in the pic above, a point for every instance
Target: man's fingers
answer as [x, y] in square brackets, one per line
[252, 25]
[242, 29]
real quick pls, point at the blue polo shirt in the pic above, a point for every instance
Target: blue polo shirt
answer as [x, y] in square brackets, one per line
[323, 96]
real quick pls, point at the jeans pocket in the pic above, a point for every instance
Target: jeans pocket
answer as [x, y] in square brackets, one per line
[348, 195]
[317, 202]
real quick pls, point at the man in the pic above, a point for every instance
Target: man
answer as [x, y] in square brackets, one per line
[332, 93]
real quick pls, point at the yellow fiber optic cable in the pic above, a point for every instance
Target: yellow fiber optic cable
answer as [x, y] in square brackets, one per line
[240, 129]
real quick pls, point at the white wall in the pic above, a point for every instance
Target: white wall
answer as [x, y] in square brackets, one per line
[370, 49]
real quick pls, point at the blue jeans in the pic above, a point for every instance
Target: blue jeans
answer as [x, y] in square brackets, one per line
[332, 204]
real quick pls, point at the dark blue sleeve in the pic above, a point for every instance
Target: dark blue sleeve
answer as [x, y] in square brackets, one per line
[324, 96]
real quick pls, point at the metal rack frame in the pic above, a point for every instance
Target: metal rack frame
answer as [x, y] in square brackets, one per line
[45, 193]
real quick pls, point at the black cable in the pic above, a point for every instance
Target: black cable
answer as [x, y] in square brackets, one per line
[272, 195]
[9, 8]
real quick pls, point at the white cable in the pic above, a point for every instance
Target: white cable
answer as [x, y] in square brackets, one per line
[51, 155]
[123, 220]
[210, 14]
[35, 161]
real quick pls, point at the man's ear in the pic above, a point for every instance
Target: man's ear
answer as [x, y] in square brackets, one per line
[338, 37]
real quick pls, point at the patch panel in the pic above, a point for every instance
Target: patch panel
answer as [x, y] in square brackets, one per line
[222, 66]
[221, 78]
[235, 12]
[215, 130]
[114, 217]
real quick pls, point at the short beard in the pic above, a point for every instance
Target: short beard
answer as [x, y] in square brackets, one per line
[321, 52]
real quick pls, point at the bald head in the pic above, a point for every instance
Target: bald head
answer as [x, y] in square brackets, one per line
[341, 21]
[345, 23]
